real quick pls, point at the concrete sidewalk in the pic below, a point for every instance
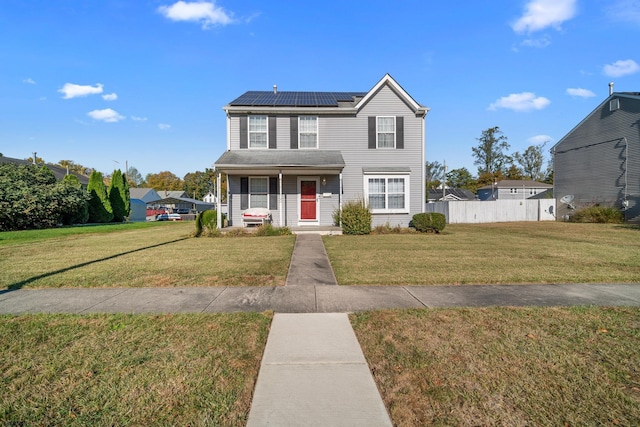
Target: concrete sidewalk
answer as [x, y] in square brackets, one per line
[310, 264]
[309, 299]
[313, 373]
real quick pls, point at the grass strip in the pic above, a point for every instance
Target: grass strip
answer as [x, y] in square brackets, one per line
[505, 366]
[107, 370]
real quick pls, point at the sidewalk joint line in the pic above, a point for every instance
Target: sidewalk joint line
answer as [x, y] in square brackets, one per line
[214, 299]
[104, 300]
[415, 297]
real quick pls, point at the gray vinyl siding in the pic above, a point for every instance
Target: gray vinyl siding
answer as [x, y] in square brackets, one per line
[349, 135]
[589, 163]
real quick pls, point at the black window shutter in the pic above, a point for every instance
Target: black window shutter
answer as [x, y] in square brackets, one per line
[244, 193]
[272, 133]
[294, 132]
[400, 132]
[244, 134]
[273, 193]
[372, 132]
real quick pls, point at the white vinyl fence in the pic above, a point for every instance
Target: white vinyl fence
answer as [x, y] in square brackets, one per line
[471, 212]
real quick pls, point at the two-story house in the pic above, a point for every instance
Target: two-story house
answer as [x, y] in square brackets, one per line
[302, 155]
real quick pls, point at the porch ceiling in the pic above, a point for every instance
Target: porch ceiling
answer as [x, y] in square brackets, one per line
[288, 161]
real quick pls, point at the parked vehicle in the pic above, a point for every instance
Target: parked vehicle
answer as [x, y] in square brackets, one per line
[169, 217]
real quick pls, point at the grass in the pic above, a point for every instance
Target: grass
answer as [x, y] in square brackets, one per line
[536, 252]
[505, 366]
[140, 255]
[107, 370]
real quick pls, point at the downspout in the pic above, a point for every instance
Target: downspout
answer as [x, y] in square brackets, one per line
[228, 132]
[423, 178]
[280, 204]
[625, 201]
[218, 202]
[340, 201]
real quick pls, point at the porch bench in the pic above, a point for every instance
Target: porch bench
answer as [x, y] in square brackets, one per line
[259, 216]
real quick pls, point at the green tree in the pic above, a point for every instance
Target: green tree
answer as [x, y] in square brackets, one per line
[119, 196]
[198, 184]
[30, 197]
[548, 174]
[462, 178]
[134, 178]
[531, 161]
[99, 206]
[164, 181]
[76, 203]
[434, 174]
[514, 172]
[490, 152]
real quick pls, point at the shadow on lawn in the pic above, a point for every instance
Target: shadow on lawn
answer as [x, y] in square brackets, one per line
[20, 285]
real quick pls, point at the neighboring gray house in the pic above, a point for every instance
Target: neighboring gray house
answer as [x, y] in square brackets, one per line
[147, 195]
[450, 195]
[513, 189]
[598, 161]
[302, 155]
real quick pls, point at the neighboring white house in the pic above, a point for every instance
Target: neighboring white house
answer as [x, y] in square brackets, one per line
[210, 198]
[512, 189]
[302, 155]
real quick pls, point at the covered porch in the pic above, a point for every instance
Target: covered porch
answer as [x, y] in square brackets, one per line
[299, 188]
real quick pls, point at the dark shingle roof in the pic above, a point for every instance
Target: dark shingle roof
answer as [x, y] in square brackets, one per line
[281, 158]
[294, 99]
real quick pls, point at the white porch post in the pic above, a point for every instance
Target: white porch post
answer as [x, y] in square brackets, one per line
[218, 202]
[340, 200]
[280, 204]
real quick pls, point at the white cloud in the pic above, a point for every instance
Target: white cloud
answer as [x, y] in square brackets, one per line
[138, 119]
[110, 97]
[164, 126]
[540, 42]
[70, 90]
[29, 81]
[206, 13]
[540, 14]
[539, 139]
[107, 115]
[525, 101]
[624, 10]
[621, 68]
[579, 92]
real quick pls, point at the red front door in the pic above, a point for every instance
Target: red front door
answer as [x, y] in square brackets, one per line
[308, 200]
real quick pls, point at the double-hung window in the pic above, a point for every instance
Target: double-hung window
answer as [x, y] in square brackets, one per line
[259, 192]
[257, 131]
[386, 131]
[387, 194]
[308, 130]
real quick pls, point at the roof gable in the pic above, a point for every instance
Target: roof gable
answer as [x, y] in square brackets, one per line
[633, 96]
[389, 81]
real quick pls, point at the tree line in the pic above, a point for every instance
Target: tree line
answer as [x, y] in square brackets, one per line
[494, 164]
[32, 198]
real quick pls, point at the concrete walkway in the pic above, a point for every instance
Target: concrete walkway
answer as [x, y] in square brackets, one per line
[313, 373]
[310, 264]
[309, 299]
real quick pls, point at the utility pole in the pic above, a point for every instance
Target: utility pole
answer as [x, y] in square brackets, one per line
[444, 180]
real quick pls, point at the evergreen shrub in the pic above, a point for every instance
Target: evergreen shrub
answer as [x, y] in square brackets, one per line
[355, 218]
[598, 214]
[429, 222]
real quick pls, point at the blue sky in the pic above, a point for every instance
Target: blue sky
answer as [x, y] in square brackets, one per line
[144, 82]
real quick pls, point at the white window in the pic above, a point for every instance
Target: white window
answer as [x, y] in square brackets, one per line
[386, 132]
[387, 194]
[614, 104]
[308, 132]
[533, 191]
[259, 192]
[513, 190]
[257, 131]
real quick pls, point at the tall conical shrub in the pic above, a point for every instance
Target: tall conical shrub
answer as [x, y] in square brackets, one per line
[119, 196]
[99, 205]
